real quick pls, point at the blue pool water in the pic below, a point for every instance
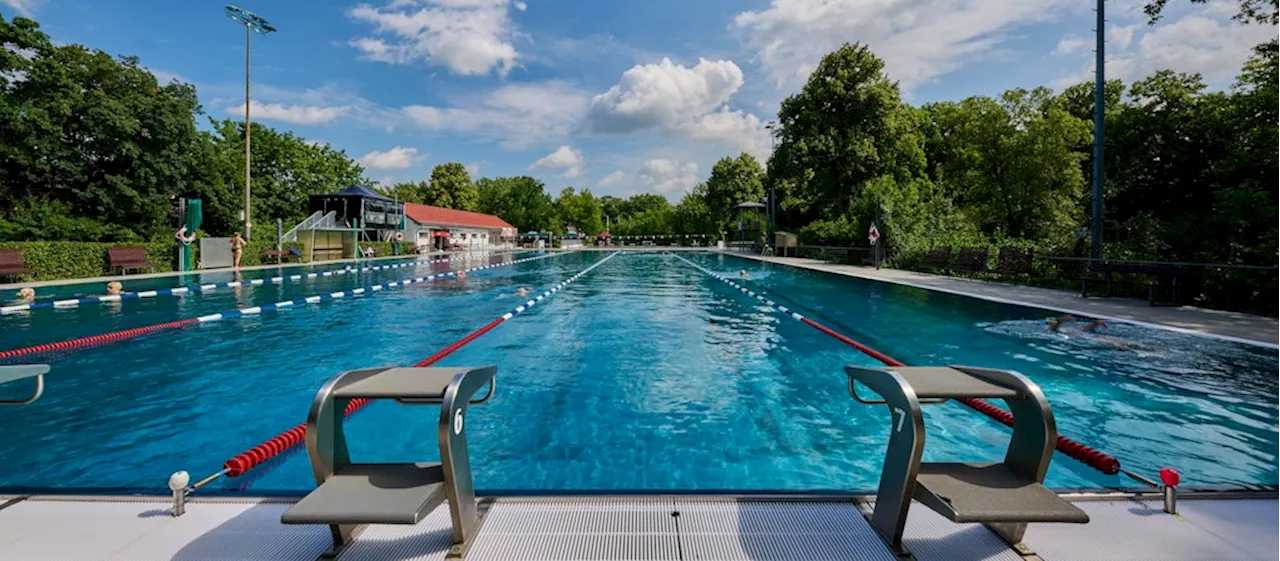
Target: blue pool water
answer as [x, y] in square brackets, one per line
[645, 374]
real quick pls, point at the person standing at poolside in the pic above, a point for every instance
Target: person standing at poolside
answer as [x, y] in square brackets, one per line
[237, 249]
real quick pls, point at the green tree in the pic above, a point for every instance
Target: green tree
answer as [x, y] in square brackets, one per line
[692, 216]
[408, 191]
[286, 171]
[581, 210]
[522, 201]
[732, 181]
[1012, 164]
[88, 139]
[451, 187]
[650, 214]
[845, 128]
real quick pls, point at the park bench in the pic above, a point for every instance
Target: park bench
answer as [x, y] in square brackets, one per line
[281, 255]
[11, 263]
[936, 260]
[1171, 276]
[129, 258]
[1013, 261]
[971, 260]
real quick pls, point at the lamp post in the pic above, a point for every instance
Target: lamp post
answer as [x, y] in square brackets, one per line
[252, 24]
[773, 130]
[1099, 101]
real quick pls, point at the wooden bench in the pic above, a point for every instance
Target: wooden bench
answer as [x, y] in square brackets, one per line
[1013, 261]
[281, 255]
[1174, 274]
[129, 258]
[937, 260]
[11, 263]
[971, 260]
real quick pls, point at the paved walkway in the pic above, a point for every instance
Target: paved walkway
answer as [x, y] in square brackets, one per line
[1234, 326]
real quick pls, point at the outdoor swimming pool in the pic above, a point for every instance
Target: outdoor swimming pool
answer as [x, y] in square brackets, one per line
[644, 375]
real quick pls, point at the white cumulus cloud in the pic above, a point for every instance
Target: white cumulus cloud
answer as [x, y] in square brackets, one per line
[612, 179]
[664, 95]
[25, 8]
[1203, 41]
[398, 157]
[669, 176]
[565, 157]
[469, 37]
[743, 131]
[516, 115]
[919, 41]
[295, 114]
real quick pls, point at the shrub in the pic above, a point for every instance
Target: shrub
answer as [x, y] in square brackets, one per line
[71, 260]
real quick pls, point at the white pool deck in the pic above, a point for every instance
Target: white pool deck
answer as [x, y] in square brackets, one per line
[631, 528]
[1232, 326]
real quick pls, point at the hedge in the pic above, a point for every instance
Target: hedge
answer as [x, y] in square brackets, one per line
[70, 260]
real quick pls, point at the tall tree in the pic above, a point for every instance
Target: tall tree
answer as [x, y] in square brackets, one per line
[580, 210]
[1014, 164]
[692, 216]
[522, 201]
[451, 187]
[408, 191]
[732, 181]
[88, 138]
[846, 127]
[286, 171]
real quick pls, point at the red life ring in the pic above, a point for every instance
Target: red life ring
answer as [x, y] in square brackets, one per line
[180, 235]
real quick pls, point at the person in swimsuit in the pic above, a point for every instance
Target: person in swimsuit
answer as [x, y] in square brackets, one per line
[237, 249]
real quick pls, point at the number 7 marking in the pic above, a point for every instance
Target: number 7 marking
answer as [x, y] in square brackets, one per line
[902, 416]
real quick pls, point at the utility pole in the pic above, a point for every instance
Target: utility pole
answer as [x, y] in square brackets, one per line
[252, 23]
[1099, 101]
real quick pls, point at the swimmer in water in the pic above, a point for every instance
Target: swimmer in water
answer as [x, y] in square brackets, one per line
[26, 295]
[742, 273]
[462, 275]
[523, 291]
[1094, 325]
[1055, 324]
[114, 288]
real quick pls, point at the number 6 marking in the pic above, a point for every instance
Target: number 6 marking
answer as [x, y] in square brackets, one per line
[901, 415]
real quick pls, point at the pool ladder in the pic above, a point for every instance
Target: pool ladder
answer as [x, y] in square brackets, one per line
[1002, 496]
[350, 495]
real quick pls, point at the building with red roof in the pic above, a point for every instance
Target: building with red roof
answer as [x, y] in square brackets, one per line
[446, 228]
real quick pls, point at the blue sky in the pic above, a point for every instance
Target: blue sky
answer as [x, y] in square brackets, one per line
[620, 97]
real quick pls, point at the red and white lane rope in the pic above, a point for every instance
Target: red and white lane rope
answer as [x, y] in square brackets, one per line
[273, 446]
[1100, 461]
[117, 336]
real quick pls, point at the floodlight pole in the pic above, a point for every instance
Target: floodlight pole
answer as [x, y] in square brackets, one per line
[773, 128]
[252, 22]
[1099, 101]
[248, 35]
